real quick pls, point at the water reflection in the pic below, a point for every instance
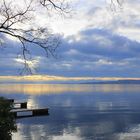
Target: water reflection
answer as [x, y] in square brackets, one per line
[79, 112]
[63, 88]
[132, 134]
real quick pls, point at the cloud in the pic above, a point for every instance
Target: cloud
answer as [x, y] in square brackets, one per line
[96, 42]
[91, 52]
[98, 14]
[96, 52]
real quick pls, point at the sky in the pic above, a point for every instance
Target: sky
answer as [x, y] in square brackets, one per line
[97, 40]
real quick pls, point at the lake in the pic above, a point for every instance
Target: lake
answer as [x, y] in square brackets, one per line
[78, 112]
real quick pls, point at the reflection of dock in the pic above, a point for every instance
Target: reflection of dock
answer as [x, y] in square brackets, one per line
[20, 110]
[20, 113]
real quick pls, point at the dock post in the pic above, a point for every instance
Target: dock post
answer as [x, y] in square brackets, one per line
[39, 112]
[24, 105]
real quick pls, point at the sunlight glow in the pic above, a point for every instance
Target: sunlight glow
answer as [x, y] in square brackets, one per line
[37, 78]
[39, 89]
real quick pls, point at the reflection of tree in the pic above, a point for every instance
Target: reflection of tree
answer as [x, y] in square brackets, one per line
[7, 121]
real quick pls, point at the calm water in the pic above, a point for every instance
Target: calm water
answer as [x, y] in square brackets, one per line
[78, 112]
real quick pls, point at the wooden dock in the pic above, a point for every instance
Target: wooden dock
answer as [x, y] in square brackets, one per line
[10, 100]
[20, 113]
[20, 110]
[19, 105]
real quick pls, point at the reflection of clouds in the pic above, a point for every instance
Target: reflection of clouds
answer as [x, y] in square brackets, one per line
[109, 105]
[132, 134]
[67, 125]
[43, 132]
[26, 132]
[19, 134]
[78, 116]
[72, 116]
[56, 88]
[67, 103]
[67, 136]
[104, 127]
[103, 105]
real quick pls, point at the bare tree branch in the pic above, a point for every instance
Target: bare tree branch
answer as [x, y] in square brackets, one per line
[13, 22]
[60, 6]
[115, 4]
[16, 21]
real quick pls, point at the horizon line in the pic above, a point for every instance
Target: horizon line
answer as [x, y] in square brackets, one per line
[61, 78]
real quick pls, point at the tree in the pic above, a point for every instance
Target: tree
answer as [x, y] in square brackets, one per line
[115, 3]
[7, 120]
[16, 20]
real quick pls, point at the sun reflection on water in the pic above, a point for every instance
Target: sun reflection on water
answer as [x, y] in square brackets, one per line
[38, 89]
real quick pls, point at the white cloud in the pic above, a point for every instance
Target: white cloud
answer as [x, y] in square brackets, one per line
[126, 22]
[93, 40]
[103, 62]
[103, 41]
[33, 64]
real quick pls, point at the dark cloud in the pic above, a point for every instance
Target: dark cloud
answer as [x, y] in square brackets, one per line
[92, 52]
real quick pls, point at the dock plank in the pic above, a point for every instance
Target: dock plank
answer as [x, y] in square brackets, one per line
[29, 112]
[20, 105]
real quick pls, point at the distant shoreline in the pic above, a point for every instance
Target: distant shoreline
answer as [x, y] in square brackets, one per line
[73, 82]
[115, 82]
